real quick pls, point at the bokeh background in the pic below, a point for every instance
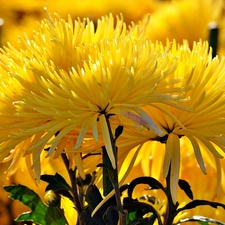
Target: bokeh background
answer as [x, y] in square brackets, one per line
[175, 19]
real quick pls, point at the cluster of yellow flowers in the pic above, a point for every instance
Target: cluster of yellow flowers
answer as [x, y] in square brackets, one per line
[63, 87]
[22, 15]
[173, 19]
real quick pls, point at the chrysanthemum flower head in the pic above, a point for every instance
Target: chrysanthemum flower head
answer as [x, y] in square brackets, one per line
[202, 125]
[60, 89]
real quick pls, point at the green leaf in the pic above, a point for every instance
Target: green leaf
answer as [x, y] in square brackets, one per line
[105, 215]
[184, 185]
[87, 181]
[202, 223]
[118, 131]
[131, 216]
[40, 214]
[56, 182]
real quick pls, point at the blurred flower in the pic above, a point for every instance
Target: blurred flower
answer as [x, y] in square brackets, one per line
[60, 89]
[187, 20]
[21, 16]
[132, 10]
[202, 126]
[193, 175]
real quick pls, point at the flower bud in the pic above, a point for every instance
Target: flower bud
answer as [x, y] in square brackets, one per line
[52, 199]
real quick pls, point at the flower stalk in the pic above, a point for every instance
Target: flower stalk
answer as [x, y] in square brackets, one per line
[111, 174]
[73, 180]
[213, 37]
[171, 207]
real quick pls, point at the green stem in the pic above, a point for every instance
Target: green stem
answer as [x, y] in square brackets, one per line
[171, 207]
[73, 181]
[107, 184]
[213, 38]
[112, 174]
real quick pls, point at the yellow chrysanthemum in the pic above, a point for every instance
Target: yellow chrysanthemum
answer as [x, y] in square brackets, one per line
[202, 125]
[21, 15]
[63, 85]
[189, 171]
[187, 20]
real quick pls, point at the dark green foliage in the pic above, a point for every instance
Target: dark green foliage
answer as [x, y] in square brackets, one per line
[58, 184]
[40, 213]
[106, 215]
[87, 181]
[136, 211]
[184, 185]
[118, 131]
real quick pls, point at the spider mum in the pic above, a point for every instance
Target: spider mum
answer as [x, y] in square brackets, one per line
[202, 126]
[63, 85]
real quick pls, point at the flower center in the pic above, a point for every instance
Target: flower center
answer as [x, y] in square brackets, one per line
[165, 137]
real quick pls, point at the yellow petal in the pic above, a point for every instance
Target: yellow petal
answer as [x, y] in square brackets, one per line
[79, 164]
[107, 139]
[197, 153]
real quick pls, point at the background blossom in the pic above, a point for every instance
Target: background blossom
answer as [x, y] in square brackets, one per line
[202, 123]
[169, 19]
[174, 21]
[22, 16]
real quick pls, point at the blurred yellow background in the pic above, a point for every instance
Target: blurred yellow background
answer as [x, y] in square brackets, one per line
[180, 19]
